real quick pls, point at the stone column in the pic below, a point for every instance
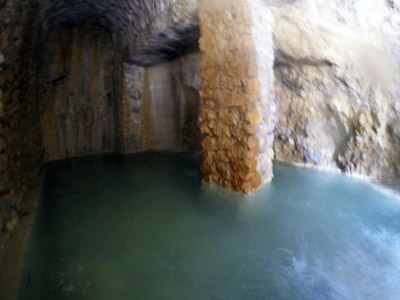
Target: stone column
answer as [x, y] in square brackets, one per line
[130, 109]
[239, 110]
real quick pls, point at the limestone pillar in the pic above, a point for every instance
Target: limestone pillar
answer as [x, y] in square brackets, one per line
[239, 110]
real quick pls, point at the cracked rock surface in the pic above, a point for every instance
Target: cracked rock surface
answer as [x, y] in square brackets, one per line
[338, 87]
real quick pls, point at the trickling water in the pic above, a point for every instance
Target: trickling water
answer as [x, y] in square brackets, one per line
[144, 227]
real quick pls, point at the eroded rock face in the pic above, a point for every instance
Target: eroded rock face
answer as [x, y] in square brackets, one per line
[160, 106]
[151, 31]
[92, 118]
[131, 109]
[78, 100]
[337, 86]
[20, 142]
[237, 115]
[171, 105]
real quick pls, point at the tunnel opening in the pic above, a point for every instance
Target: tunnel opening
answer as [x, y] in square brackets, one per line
[95, 101]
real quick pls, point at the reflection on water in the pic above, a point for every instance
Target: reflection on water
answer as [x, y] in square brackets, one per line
[145, 227]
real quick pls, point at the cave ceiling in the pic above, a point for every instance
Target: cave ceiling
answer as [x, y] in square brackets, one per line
[151, 31]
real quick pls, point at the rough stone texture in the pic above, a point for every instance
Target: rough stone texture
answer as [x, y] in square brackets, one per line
[171, 105]
[20, 141]
[131, 112]
[78, 117]
[263, 41]
[150, 30]
[160, 106]
[237, 111]
[48, 99]
[168, 45]
[338, 86]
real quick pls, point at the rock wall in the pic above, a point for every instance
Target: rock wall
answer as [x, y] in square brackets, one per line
[163, 17]
[262, 25]
[142, 27]
[238, 109]
[62, 90]
[20, 141]
[131, 109]
[78, 100]
[338, 86]
[161, 106]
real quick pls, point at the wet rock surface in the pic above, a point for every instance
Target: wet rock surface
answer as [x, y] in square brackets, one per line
[238, 107]
[168, 45]
[337, 86]
[171, 105]
[20, 142]
[151, 30]
[32, 103]
[78, 100]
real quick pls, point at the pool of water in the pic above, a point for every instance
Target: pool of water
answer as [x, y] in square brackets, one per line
[145, 227]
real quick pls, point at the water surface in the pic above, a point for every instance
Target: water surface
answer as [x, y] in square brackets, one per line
[145, 227]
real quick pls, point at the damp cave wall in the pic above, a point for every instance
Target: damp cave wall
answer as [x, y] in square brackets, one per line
[20, 135]
[77, 100]
[66, 85]
[161, 106]
[337, 86]
[92, 102]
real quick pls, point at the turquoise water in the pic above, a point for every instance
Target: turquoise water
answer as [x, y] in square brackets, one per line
[145, 227]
